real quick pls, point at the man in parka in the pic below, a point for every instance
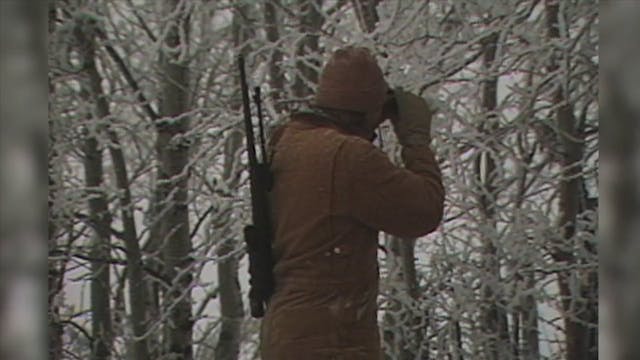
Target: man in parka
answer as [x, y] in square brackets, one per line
[333, 192]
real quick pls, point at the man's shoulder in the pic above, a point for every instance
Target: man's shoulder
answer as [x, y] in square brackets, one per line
[296, 139]
[356, 152]
[314, 129]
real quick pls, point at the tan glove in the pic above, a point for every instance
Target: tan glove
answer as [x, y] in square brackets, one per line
[412, 124]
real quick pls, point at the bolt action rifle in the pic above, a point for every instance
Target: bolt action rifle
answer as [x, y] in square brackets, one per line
[257, 235]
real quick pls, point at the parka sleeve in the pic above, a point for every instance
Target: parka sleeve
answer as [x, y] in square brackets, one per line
[405, 202]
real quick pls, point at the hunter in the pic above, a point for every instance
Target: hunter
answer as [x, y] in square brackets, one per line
[333, 192]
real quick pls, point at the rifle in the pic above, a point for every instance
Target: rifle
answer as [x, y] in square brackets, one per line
[257, 235]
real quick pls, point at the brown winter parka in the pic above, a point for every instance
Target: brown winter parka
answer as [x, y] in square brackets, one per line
[333, 192]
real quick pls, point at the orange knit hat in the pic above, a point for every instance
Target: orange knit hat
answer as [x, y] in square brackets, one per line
[352, 80]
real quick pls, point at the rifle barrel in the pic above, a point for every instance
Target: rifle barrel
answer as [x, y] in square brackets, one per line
[258, 100]
[251, 146]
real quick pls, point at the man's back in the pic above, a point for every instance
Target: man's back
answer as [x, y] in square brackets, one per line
[333, 192]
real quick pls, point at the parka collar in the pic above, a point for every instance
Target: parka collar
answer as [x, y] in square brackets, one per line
[318, 117]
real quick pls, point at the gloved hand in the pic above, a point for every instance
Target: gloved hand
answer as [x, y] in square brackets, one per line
[412, 124]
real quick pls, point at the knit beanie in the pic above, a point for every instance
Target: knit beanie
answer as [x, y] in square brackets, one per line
[352, 80]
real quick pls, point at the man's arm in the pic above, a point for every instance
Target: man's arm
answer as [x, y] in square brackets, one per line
[406, 202]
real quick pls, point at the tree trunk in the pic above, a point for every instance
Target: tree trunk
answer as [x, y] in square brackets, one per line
[100, 220]
[577, 310]
[392, 320]
[458, 348]
[528, 343]
[276, 76]
[55, 274]
[54, 281]
[494, 319]
[135, 271]
[366, 14]
[173, 154]
[99, 215]
[137, 294]
[529, 318]
[405, 325]
[307, 50]
[153, 260]
[100, 280]
[231, 307]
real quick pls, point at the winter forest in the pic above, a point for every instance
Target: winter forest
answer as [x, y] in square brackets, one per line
[148, 187]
